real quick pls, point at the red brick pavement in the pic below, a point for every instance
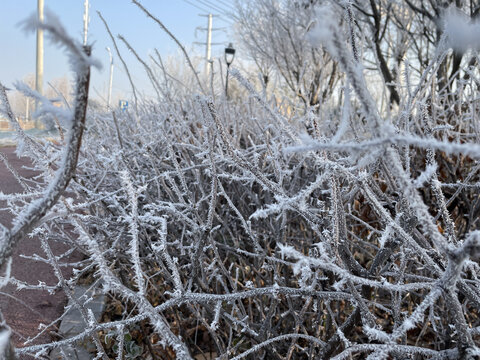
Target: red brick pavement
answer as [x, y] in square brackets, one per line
[33, 307]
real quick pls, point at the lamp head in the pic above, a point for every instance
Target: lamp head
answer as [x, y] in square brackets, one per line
[229, 54]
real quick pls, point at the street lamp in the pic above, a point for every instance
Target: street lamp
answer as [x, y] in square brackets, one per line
[110, 80]
[229, 55]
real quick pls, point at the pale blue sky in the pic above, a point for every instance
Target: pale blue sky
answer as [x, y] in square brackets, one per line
[180, 16]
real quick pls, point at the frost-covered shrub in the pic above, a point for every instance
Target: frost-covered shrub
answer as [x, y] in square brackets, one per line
[237, 229]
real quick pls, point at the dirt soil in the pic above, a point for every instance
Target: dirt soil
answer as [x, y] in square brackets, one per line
[25, 310]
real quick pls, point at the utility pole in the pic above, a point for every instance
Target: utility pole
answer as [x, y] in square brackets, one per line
[27, 110]
[111, 79]
[208, 44]
[208, 55]
[86, 20]
[39, 70]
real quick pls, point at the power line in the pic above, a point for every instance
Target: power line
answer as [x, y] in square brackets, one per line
[215, 4]
[226, 20]
[226, 12]
[196, 6]
[209, 28]
[214, 7]
[227, 4]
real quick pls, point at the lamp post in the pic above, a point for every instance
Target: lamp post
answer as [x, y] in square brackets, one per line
[229, 55]
[111, 79]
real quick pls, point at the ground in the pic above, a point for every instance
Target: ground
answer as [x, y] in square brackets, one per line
[25, 310]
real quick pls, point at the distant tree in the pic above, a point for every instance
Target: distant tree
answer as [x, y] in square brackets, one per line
[22, 106]
[412, 30]
[59, 91]
[275, 35]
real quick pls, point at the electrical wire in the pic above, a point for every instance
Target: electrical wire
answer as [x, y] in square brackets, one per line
[214, 7]
[222, 18]
[227, 12]
[196, 6]
[217, 5]
[230, 6]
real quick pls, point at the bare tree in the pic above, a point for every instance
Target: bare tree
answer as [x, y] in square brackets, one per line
[274, 34]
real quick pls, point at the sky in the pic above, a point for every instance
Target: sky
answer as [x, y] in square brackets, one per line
[181, 17]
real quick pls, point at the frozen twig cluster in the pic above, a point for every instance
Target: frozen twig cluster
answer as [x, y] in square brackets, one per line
[238, 229]
[30, 216]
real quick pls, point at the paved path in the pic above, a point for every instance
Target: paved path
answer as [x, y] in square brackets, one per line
[24, 310]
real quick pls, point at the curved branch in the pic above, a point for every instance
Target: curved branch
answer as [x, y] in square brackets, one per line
[31, 216]
[164, 28]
